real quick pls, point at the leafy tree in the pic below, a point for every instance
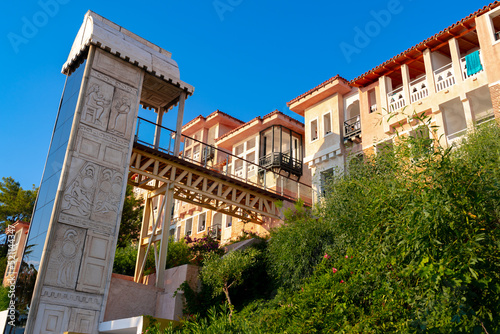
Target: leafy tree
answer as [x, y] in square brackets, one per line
[130, 226]
[15, 202]
[221, 273]
[294, 251]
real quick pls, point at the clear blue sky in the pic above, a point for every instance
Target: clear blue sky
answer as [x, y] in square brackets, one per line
[246, 58]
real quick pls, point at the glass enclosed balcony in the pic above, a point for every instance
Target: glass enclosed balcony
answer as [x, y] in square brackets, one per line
[281, 150]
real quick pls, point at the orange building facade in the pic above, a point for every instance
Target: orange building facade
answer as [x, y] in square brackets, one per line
[453, 77]
[265, 151]
[17, 234]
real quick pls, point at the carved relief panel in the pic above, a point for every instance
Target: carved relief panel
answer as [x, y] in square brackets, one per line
[65, 256]
[52, 319]
[97, 103]
[92, 277]
[79, 193]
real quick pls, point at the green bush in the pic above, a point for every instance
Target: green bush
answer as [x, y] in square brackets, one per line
[406, 242]
[295, 249]
[222, 273]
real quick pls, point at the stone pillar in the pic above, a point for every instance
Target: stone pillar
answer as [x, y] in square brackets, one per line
[469, 117]
[385, 86]
[455, 58]
[75, 271]
[429, 72]
[405, 73]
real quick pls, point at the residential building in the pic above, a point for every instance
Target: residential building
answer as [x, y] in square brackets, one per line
[16, 234]
[453, 77]
[266, 151]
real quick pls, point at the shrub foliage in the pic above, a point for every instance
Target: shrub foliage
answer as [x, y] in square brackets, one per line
[408, 241]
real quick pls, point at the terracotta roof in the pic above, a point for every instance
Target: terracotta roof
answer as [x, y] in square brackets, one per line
[402, 54]
[316, 88]
[200, 117]
[227, 115]
[442, 32]
[261, 119]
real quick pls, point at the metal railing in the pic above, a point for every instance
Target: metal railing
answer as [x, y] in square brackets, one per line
[396, 99]
[283, 161]
[444, 77]
[215, 231]
[352, 127]
[223, 162]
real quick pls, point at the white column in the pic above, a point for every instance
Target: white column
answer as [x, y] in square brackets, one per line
[159, 119]
[405, 73]
[455, 59]
[429, 72]
[384, 87]
[469, 116]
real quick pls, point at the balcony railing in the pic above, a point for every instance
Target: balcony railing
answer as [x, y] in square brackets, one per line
[215, 231]
[226, 163]
[418, 89]
[352, 127]
[208, 154]
[282, 161]
[463, 65]
[396, 99]
[444, 77]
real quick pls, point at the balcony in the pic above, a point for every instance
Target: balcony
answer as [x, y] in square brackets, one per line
[282, 161]
[208, 154]
[463, 66]
[418, 89]
[215, 231]
[396, 99]
[352, 129]
[444, 77]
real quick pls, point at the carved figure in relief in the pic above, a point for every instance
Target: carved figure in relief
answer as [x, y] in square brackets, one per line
[119, 123]
[66, 258]
[108, 197]
[95, 105]
[79, 193]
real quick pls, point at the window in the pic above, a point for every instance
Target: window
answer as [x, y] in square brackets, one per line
[239, 149]
[189, 226]
[326, 178]
[250, 144]
[314, 130]
[202, 222]
[196, 153]
[178, 235]
[229, 221]
[495, 23]
[327, 124]
[251, 168]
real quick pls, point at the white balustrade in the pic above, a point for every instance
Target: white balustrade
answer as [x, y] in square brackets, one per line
[396, 99]
[418, 89]
[444, 77]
